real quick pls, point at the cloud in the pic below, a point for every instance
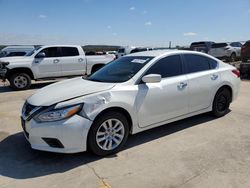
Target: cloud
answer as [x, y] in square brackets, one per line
[114, 34]
[42, 16]
[148, 23]
[132, 8]
[144, 12]
[109, 27]
[189, 34]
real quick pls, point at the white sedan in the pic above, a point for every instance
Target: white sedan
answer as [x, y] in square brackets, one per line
[129, 95]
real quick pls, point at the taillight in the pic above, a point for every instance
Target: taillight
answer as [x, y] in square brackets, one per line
[236, 72]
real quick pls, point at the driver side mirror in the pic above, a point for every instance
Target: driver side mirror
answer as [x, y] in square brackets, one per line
[41, 55]
[152, 78]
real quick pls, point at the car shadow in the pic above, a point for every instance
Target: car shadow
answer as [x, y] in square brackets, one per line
[6, 88]
[19, 161]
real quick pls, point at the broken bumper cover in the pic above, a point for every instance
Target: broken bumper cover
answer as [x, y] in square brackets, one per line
[3, 69]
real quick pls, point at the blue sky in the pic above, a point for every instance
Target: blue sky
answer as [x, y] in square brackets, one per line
[123, 22]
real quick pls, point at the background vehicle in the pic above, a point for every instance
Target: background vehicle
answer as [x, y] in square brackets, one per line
[245, 51]
[203, 46]
[125, 50]
[140, 50]
[11, 51]
[229, 51]
[129, 95]
[48, 62]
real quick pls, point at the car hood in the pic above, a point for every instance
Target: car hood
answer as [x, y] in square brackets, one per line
[66, 90]
[17, 59]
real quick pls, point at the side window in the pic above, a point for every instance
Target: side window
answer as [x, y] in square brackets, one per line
[69, 51]
[239, 44]
[233, 44]
[196, 63]
[11, 54]
[213, 63]
[51, 52]
[167, 67]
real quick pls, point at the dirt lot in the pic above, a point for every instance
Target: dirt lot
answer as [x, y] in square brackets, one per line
[197, 152]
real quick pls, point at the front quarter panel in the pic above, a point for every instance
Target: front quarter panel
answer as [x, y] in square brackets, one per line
[120, 96]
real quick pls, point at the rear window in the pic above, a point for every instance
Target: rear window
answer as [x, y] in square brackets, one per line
[12, 54]
[69, 51]
[219, 45]
[121, 50]
[198, 44]
[247, 43]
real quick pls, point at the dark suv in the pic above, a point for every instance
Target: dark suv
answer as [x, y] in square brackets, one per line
[245, 51]
[203, 46]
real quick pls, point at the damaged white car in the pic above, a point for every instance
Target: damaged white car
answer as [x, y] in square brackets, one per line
[129, 95]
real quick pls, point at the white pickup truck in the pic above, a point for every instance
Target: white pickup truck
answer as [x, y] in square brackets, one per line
[49, 62]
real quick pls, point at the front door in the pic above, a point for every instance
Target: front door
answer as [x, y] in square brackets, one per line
[48, 66]
[159, 102]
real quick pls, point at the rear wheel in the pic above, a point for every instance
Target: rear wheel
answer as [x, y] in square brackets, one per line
[108, 133]
[20, 81]
[221, 102]
[96, 68]
[233, 57]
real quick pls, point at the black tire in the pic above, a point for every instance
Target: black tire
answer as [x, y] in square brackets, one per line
[221, 102]
[20, 81]
[96, 68]
[92, 136]
[233, 57]
[244, 60]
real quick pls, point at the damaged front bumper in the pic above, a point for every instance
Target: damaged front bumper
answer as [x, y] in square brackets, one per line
[3, 70]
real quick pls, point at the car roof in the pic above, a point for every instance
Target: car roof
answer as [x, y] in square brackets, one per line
[156, 53]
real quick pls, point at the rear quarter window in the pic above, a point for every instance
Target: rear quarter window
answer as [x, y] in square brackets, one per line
[198, 63]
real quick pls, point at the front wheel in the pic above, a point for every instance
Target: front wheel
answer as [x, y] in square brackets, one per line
[108, 133]
[20, 81]
[221, 102]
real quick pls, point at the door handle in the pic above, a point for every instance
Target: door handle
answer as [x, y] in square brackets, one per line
[80, 59]
[214, 77]
[56, 60]
[182, 85]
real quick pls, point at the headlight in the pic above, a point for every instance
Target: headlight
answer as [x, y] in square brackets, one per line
[58, 114]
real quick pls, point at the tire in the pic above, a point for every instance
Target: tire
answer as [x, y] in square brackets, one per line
[244, 60]
[221, 102]
[20, 81]
[96, 68]
[100, 134]
[233, 57]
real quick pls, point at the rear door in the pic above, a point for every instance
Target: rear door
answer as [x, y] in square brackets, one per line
[72, 63]
[203, 81]
[49, 66]
[159, 102]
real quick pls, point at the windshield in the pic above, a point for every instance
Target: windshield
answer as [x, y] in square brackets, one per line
[3, 53]
[120, 70]
[33, 51]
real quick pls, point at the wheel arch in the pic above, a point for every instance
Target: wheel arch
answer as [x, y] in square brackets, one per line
[227, 86]
[117, 109]
[20, 70]
[96, 66]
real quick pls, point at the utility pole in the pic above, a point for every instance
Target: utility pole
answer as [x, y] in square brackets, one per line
[169, 45]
